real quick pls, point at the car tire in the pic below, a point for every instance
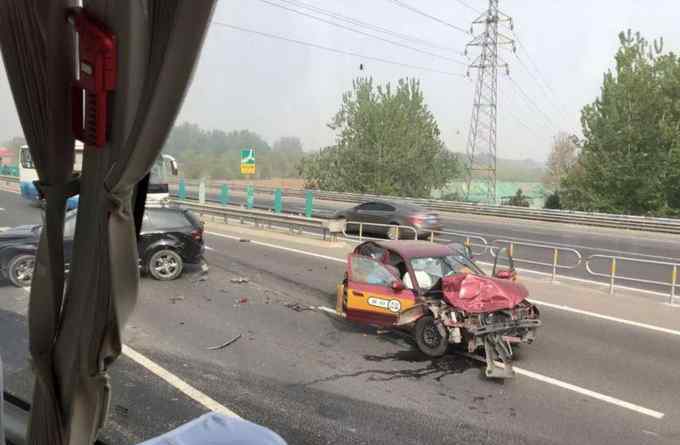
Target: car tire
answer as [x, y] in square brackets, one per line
[428, 339]
[165, 265]
[20, 270]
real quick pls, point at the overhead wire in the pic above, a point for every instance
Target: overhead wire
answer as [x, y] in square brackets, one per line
[532, 102]
[354, 21]
[391, 42]
[429, 16]
[471, 8]
[335, 50]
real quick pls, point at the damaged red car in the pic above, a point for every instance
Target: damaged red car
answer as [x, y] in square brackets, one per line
[442, 296]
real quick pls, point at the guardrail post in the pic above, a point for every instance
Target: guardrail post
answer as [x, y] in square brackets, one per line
[201, 192]
[397, 237]
[432, 237]
[361, 231]
[613, 276]
[224, 194]
[278, 201]
[182, 192]
[250, 197]
[555, 260]
[309, 202]
[674, 280]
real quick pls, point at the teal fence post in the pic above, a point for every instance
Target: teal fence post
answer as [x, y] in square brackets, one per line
[250, 196]
[309, 202]
[278, 201]
[182, 192]
[224, 194]
[201, 192]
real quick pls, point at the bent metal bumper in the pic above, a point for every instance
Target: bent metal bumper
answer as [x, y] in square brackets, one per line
[497, 338]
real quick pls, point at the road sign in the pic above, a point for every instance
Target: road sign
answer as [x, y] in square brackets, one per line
[248, 161]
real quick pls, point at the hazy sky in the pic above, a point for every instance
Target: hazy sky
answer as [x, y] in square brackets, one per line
[278, 88]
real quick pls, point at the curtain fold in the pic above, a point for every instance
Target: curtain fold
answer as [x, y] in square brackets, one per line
[38, 53]
[77, 334]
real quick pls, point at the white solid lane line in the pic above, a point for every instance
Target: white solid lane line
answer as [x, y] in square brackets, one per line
[174, 381]
[551, 305]
[606, 317]
[178, 383]
[561, 384]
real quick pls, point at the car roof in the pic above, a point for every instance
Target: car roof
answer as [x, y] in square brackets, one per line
[398, 204]
[413, 248]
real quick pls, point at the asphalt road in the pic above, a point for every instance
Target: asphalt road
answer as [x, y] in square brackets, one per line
[317, 380]
[587, 240]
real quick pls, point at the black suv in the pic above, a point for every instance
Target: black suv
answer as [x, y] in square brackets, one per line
[170, 238]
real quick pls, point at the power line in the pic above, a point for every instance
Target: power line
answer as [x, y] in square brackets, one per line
[533, 102]
[391, 42]
[335, 50]
[380, 29]
[538, 71]
[471, 8]
[429, 16]
[545, 92]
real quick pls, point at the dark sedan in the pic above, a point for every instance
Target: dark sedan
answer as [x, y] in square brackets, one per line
[170, 238]
[383, 218]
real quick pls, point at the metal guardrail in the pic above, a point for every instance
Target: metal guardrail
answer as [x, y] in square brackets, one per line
[554, 265]
[397, 231]
[335, 227]
[261, 217]
[9, 179]
[444, 236]
[662, 225]
[614, 261]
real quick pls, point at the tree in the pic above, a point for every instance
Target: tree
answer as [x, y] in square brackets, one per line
[388, 142]
[519, 200]
[630, 156]
[562, 158]
[553, 201]
[287, 144]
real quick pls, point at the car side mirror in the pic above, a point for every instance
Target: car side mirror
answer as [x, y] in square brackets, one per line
[397, 286]
[504, 274]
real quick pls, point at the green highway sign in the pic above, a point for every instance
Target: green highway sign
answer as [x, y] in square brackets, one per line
[248, 161]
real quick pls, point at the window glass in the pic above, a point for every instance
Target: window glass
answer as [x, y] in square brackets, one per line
[372, 250]
[366, 206]
[382, 207]
[366, 270]
[429, 270]
[26, 160]
[168, 219]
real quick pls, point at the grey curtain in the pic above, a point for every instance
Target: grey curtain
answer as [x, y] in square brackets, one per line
[75, 339]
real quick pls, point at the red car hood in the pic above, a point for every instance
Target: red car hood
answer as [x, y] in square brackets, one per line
[475, 294]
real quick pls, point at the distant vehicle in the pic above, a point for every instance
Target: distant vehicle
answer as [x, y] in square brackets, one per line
[170, 238]
[28, 174]
[162, 170]
[389, 215]
[439, 294]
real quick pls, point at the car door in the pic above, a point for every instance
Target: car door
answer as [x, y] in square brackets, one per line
[371, 213]
[371, 297]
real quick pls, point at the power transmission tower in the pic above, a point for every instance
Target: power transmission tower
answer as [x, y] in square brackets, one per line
[481, 145]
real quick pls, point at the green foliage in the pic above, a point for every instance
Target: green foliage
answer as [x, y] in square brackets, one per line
[630, 159]
[519, 200]
[553, 201]
[216, 154]
[388, 142]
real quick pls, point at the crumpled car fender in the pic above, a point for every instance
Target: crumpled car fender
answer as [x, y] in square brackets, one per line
[412, 314]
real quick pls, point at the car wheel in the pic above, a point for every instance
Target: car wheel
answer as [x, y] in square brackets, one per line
[20, 270]
[165, 265]
[429, 340]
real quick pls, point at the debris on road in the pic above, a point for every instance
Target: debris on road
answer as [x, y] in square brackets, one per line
[242, 300]
[297, 307]
[203, 277]
[239, 280]
[225, 344]
[244, 240]
[174, 300]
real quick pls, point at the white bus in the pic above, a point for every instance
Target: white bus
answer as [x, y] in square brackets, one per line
[164, 168]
